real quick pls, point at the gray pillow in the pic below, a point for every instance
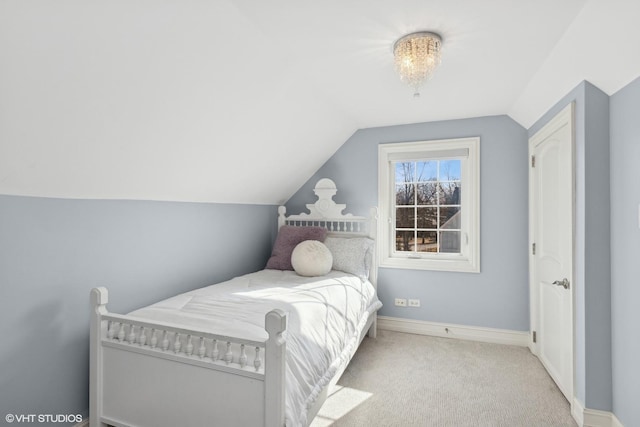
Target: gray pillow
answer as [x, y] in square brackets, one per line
[351, 254]
[288, 238]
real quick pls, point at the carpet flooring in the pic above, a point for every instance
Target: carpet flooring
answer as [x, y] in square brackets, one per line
[412, 380]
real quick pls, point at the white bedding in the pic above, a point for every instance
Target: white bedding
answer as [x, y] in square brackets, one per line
[325, 316]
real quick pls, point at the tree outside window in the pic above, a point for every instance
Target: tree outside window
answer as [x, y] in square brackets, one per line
[427, 206]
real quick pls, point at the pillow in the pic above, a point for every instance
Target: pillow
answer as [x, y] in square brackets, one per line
[287, 239]
[351, 254]
[311, 258]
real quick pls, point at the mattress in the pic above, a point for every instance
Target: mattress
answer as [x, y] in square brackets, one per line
[325, 317]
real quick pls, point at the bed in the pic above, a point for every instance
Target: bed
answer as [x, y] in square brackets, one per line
[261, 349]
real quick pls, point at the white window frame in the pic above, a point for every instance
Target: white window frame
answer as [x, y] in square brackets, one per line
[468, 260]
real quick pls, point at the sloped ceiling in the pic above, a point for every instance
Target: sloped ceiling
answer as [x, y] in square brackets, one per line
[240, 101]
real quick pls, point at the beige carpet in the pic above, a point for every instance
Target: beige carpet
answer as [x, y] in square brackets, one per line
[411, 380]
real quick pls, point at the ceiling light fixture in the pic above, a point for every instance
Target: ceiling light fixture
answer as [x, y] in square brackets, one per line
[416, 57]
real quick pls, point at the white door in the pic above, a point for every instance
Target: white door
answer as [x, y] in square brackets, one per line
[551, 187]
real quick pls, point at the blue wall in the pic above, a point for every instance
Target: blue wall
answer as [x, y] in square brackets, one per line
[53, 251]
[498, 297]
[592, 289]
[625, 252]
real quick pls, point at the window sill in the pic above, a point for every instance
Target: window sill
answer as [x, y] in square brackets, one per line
[461, 265]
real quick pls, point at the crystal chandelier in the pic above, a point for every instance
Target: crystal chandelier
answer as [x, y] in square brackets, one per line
[417, 55]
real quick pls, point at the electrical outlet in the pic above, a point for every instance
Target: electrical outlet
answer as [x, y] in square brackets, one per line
[414, 303]
[401, 302]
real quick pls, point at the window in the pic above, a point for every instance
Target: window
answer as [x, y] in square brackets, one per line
[429, 203]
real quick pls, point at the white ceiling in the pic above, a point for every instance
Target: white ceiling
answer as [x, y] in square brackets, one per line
[240, 101]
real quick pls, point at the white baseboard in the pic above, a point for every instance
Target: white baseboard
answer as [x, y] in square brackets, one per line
[472, 333]
[577, 412]
[615, 422]
[586, 417]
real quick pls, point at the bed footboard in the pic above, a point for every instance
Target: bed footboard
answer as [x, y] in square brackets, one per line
[145, 373]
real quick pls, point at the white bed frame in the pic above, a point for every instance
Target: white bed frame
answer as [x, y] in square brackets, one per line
[156, 374]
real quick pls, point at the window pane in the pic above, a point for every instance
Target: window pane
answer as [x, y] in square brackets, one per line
[405, 172]
[449, 170]
[427, 241]
[405, 217]
[427, 218]
[404, 241]
[450, 242]
[427, 194]
[427, 171]
[450, 217]
[450, 194]
[405, 194]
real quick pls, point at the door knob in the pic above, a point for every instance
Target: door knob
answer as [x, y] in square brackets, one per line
[564, 283]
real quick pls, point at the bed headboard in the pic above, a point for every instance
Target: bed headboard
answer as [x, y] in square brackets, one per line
[327, 213]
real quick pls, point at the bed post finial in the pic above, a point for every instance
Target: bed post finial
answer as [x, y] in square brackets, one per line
[373, 222]
[274, 371]
[99, 296]
[275, 322]
[282, 210]
[373, 212]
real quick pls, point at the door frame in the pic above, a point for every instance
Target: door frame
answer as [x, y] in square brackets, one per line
[565, 116]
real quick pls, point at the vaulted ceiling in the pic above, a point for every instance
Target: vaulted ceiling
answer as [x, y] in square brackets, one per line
[240, 101]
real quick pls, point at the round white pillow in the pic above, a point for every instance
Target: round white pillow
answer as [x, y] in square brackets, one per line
[311, 258]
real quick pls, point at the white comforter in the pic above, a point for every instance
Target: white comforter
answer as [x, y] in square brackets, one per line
[326, 315]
